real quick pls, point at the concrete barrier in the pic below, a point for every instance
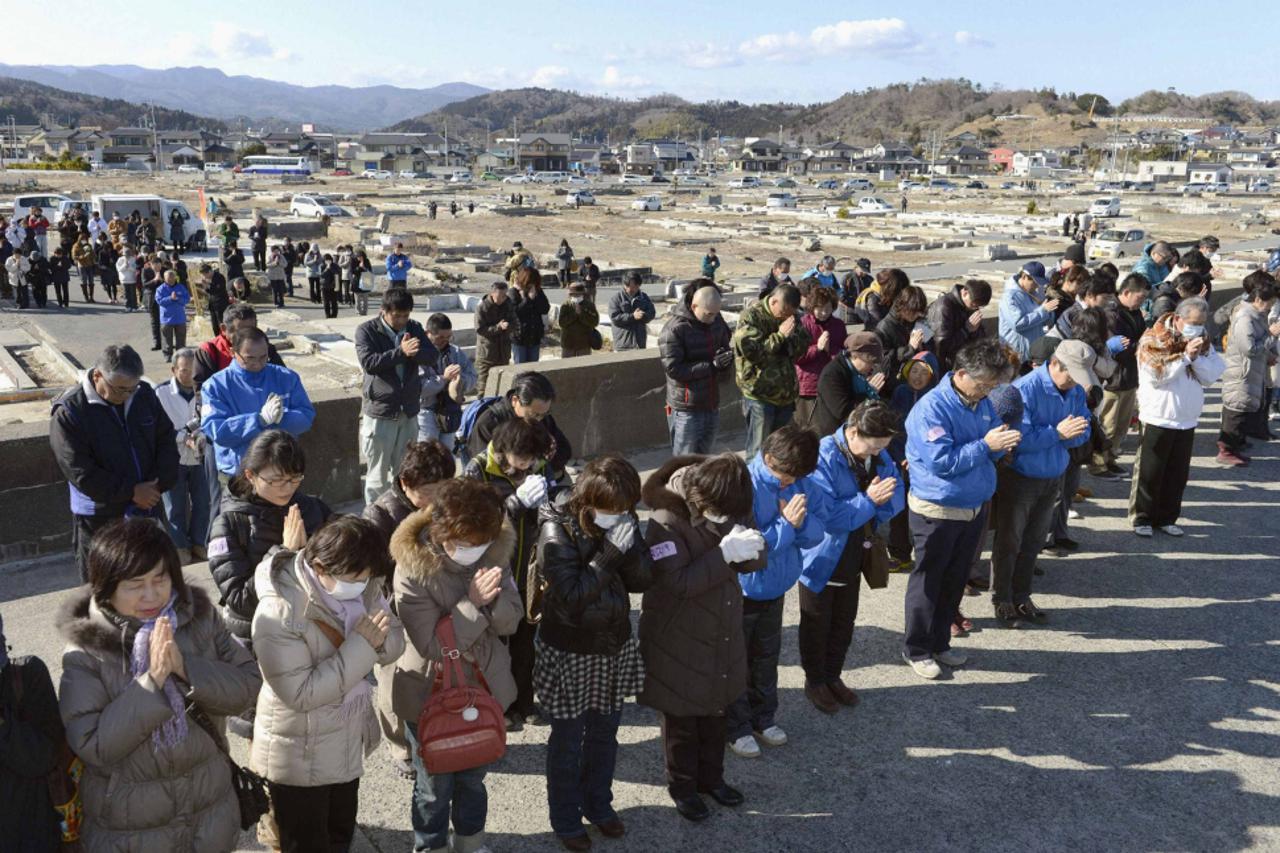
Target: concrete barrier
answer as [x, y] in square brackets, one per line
[614, 401]
[34, 514]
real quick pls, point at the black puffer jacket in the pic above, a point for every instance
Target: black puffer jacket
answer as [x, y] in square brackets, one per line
[391, 508]
[687, 346]
[529, 313]
[488, 421]
[1131, 324]
[243, 533]
[895, 336]
[524, 520]
[586, 608]
[949, 319]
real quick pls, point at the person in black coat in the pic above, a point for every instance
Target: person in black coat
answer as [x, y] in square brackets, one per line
[1120, 390]
[849, 379]
[531, 305]
[696, 354]
[60, 277]
[530, 397]
[779, 273]
[39, 277]
[956, 319]
[105, 258]
[115, 445]
[592, 557]
[899, 336]
[330, 282]
[233, 259]
[258, 240]
[215, 290]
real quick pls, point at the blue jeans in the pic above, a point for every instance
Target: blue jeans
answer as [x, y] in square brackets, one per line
[763, 420]
[435, 798]
[692, 432]
[581, 753]
[429, 428]
[521, 354]
[188, 529]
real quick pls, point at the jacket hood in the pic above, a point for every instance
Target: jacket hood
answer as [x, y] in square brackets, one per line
[658, 493]
[420, 558]
[82, 623]
[926, 358]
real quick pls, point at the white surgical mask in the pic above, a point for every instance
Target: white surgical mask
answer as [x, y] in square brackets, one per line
[578, 299]
[715, 519]
[608, 520]
[1191, 331]
[347, 590]
[467, 555]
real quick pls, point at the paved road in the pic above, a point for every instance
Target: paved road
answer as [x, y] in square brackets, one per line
[1144, 717]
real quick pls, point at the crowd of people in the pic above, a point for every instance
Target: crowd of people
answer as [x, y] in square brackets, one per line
[883, 433]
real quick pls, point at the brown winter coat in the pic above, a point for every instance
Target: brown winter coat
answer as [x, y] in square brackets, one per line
[135, 797]
[691, 618]
[428, 587]
[576, 322]
[493, 345]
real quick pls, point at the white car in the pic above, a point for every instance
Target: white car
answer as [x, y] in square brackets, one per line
[1193, 188]
[460, 176]
[214, 167]
[744, 183]
[517, 179]
[1220, 187]
[780, 200]
[577, 197]
[648, 202]
[1105, 207]
[314, 206]
[549, 177]
[188, 169]
[1117, 243]
[691, 180]
[577, 181]
[1260, 186]
[859, 184]
[407, 174]
[874, 204]
[377, 174]
[634, 180]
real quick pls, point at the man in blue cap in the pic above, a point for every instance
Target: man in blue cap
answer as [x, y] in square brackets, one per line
[1023, 317]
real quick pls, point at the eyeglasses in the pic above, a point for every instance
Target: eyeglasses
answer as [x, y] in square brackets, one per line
[277, 482]
[117, 391]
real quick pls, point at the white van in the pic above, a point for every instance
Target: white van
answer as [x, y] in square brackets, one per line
[460, 176]
[550, 177]
[151, 205]
[48, 203]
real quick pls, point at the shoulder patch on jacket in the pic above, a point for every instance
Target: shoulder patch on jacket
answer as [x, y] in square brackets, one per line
[218, 547]
[935, 433]
[662, 550]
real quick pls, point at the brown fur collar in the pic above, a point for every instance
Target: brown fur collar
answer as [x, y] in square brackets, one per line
[92, 631]
[657, 496]
[419, 558]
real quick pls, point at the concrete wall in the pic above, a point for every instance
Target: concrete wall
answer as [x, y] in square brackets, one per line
[614, 401]
[34, 514]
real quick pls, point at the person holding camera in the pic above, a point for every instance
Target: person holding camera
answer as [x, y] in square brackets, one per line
[696, 356]
[187, 503]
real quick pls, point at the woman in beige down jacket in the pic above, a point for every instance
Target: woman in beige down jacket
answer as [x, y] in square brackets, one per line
[321, 625]
[142, 644]
[453, 558]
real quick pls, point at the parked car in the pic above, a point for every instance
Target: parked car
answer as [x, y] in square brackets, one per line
[648, 202]
[577, 197]
[489, 176]
[1220, 187]
[692, 180]
[780, 200]
[408, 174]
[659, 179]
[1062, 186]
[377, 174]
[631, 179]
[828, 185]
[517, 179]
[188, 169]
[874, 204]
[1117, 243]
[975, 185]
[550, 177]
[855, 184]
[337, 173]
[577, 181]
[1009, 185]
[784, 183]
[1262, 185]
[218, 167]
[1143, 186]
[942, 184]
[746, 182]
[460, 176]
[305, 204]
[1105, 207]
[1193, 188]
[683, 173]
[911, 186]
[47, 202]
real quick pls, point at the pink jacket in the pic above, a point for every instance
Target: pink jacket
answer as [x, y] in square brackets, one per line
[809, 366]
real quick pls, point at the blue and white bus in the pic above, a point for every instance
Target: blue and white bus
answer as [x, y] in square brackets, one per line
[267, 165]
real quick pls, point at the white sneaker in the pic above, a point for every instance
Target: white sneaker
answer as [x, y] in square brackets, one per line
[927, 668]
[745, 747]
[1143, 530]
[951, 657]
[1172, 530]
[773, 736]
[1074, 514]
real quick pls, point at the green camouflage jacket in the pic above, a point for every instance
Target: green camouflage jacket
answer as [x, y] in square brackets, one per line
[765, 359]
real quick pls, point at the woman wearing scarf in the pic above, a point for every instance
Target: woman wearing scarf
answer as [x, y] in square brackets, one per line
[142, 645]
[321, 626]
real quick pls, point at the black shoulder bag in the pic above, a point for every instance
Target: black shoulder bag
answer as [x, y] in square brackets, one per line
[250, 788]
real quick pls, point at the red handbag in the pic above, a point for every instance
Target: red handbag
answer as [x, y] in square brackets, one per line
[461, 726]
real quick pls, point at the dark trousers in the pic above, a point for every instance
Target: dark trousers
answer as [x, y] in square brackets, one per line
[581, 754]
[153, 308]
[694, 750]
[82, 529]
[754, 710]
[1236, 426]
[331, 303]
[260, 256]
[1024, 515]
[1069, 483]
[944, 555]
[827, 617]
[520, 645]
[214, 479]
[980, 573]
[288, 280]
[61, 292]
[175, 338]
[313, 287]
[1163, 465]
[23, 296]
[316, 819]
[277, 292]
[216, 310]
[41, 294]
[130, 295]
[86, 283]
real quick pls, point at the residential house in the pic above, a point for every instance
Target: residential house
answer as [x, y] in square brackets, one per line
[544, 152]
[173, 155]
[1162, 171]
[1250, 156]
[131, 147]
[962, 160]
[1001, 158]
[86, 143]
[1035, 164]
[1209, 173]
[758, 155]
[411, 152]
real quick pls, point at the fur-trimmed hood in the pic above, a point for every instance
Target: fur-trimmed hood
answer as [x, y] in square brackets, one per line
[660, 493]
[420, 558]
[82, 622]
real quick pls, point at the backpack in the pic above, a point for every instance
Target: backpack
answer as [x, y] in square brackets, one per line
[473, 410]
[461, 726]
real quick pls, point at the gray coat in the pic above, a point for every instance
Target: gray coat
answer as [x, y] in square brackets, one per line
[493, 345]
[1249, 344]
[135, 797]
[628, 332]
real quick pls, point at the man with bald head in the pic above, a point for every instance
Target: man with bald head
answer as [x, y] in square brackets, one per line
[696, 356]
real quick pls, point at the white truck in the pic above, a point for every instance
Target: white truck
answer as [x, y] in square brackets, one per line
[154, 205]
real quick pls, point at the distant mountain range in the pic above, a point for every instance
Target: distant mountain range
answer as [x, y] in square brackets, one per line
[30, 103]
[209, 91]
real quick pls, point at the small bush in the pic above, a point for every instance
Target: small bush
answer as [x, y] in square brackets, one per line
[1032, 207]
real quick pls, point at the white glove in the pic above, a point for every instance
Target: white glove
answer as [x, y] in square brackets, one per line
[272, 410]
[623, 534]
[533, 491]
[741, 544]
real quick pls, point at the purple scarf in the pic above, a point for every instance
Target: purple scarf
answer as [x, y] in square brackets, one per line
[358, 699]
[174, 729]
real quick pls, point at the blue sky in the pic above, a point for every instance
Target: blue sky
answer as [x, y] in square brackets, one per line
[749, 50]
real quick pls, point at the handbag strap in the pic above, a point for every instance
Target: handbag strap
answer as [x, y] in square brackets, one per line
[451, 656]
[331, 632]
[202, 720]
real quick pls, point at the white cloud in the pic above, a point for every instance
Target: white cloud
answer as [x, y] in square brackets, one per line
[707, 55]
[613, 80]
[874, 35]
[549, 76]
[231, 41]
[964, 38]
